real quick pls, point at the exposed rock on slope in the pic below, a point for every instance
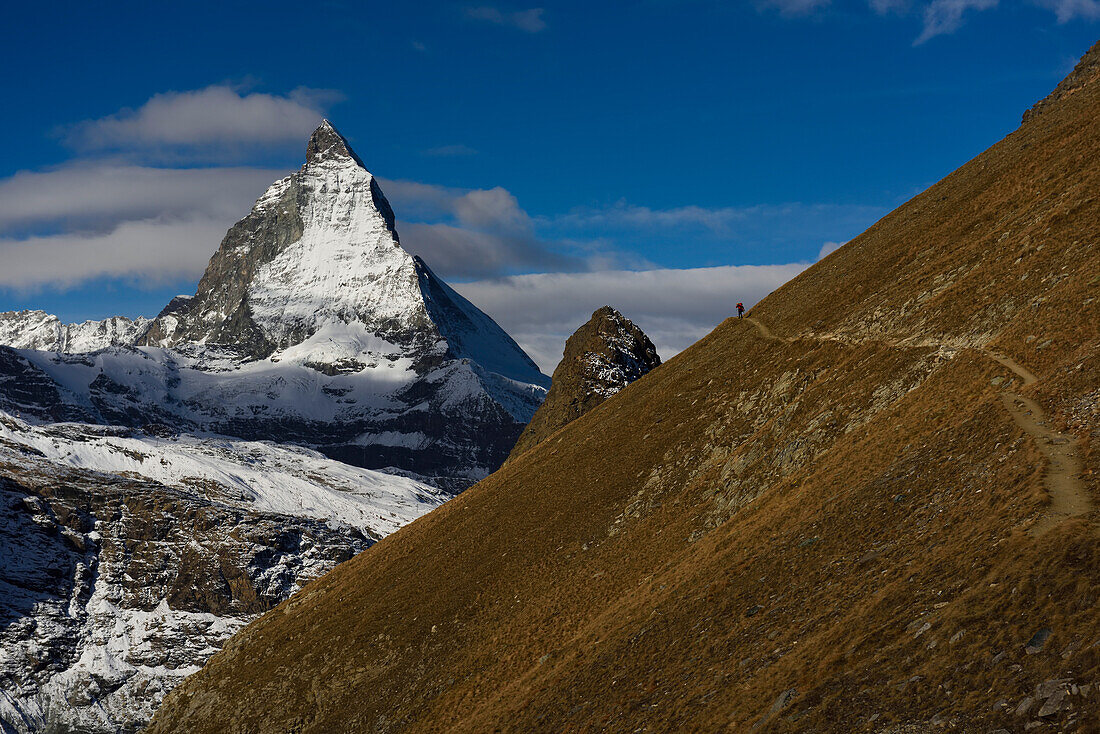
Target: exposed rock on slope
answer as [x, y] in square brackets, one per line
[1085, 73]
[845, 536]
[601, 358]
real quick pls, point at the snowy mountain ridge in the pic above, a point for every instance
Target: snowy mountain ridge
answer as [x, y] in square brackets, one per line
[45, 332]
[313, 326]
[257, 475]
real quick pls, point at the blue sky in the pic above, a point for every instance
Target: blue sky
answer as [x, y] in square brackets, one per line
[530, 151]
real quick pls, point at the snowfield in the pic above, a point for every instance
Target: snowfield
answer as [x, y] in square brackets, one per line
[257, 475]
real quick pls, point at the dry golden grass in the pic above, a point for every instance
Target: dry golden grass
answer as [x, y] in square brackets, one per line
[843, 515]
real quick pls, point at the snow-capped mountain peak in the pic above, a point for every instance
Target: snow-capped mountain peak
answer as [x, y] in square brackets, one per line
[319, 255]
[327, 144]
[313, 325]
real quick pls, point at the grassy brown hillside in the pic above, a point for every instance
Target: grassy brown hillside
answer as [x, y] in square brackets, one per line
[871, 506]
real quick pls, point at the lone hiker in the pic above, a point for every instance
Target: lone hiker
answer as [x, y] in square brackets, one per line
[740, 310]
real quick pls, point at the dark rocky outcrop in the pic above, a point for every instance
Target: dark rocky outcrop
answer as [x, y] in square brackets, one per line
[601, 358]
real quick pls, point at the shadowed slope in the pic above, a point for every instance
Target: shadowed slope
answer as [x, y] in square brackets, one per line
[825, 531]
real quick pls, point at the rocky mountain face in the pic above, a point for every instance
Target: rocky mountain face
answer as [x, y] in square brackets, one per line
[870, 507]
[310, 326]
[113, 588]
[164, 482]
[318, 248]
[128, 558]
[315, 274]
[45, 332]
[601, 358]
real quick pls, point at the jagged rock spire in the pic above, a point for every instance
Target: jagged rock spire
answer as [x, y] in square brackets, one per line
[317, 255]
[601, 358]
[327, 144]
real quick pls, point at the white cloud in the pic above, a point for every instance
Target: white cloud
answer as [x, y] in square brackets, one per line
[718, 220]
[526, 20]
[97, 207]
[1067, 10]
[461, 233]
[884, 7]
[417, 200]
[480, 233]
[457, 252]
[793, 8]
[642, 217]
[148, 253]
[946, 16]
[759, 228]
[674, 307]
[940, 17]
[495, 207]
[217, 117]
[101, 195]
[145, 225]
[829, 248]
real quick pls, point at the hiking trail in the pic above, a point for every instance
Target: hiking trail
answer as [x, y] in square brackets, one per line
[765, 331]
[1062, 478]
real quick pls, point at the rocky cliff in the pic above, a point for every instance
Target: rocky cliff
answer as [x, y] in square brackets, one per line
[601, 358]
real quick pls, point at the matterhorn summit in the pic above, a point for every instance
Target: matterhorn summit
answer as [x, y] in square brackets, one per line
[164, 482]
[316, 274]
[311, 326]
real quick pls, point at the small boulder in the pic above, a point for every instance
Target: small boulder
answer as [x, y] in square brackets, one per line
[1038, 641]
[784, 701]
[1048, 688]
[1056, 704]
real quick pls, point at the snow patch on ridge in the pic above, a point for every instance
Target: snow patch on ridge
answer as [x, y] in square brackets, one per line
[42, 331]
[256, 475]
